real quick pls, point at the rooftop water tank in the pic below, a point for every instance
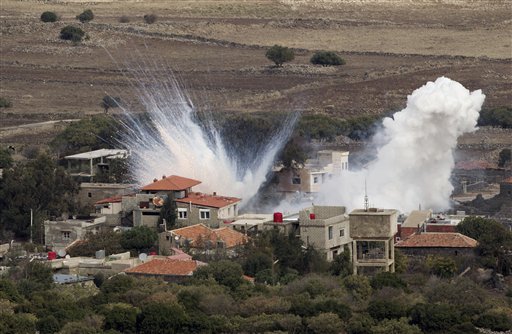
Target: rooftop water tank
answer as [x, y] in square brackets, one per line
[278, 217]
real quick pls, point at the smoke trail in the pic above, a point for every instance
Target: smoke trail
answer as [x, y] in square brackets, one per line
[172, 141]
[414, 151]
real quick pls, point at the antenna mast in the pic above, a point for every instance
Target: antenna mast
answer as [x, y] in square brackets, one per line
[366, 204]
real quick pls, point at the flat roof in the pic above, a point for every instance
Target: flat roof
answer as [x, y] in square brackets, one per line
[371, 212]
[98, 154]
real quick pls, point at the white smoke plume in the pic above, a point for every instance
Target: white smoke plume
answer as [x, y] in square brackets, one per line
[173, 141]
[415, 148]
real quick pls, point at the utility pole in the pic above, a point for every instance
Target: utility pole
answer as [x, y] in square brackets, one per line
[31, 223]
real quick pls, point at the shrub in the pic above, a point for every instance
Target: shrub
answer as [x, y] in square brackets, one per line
[387, 279]
[441, 266]
[358, 286]
[395, 326]
[49, 17]
[71, 33]
[326, 58]
[280, 54]
[501, 117]
[504, 157]
[150, 18]
[494, 321]
[434, 317]
[124, 19]
[86, 16]
[384, 309]
[325, 323]
[5, 102]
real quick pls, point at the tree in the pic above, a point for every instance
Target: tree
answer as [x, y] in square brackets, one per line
[494, 321]
[494, 241]
[442, 266]
[138, 238]
[224, 272]
[504, 157]
[433, 318]
[166, 318]
[395, 326]
[110, 102]
[279, 54]
[387, 278]
[386, 309]
[39, 185]
[168, 213]
[5, 158]
[359, 286]
[325, 323]
[103, 240]
[501, 117]
[150, 18]
[71, 33]
[49, 17]
[86, 16]
[121, 317]
[327, 58]
[5, 102]
[48, 325]
[341, 264]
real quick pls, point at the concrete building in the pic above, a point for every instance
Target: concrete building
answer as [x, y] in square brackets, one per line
[90, 193]
[211, 210]
[89, 164]
[254, 223]
[326, 228]
[373, 232]
[309, 178]
[59, 234]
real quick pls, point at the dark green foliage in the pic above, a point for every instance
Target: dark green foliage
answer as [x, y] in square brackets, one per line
[103, 240]
[117, 172]
[49, 17]
[118, 284]
[9, 291]
[110, 102]
[293, 153]
[150, 18]
[257, 262]
[99, 278]
[386, 309]
[494, 241]
[87, 134]
[86, 16]
[325, 323]
[224, 272]
[501, 117]
[71, 33]
[168, 212]
[387, 278]
[333, 306]
[504, 157]
[161, 318]
[494, 321]
[39, 185]
[464, 328]
[341, 265]
[48, 325]
[5, 102]
[122, 318]
[139, 238]
[279, 55]
[358, 286]
[5, 158]
[442, 266]
[124, 19]
[323, 127]
[432, 318]
[397, 326]
[326, 58]
[17, 324]
[360, 324]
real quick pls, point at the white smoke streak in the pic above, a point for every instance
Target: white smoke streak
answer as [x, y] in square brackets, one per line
[414, 157]
[174, 143]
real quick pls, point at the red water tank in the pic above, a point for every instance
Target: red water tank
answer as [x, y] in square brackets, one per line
[312, 216]
[152, 253]
[52, 256]
[278, 217]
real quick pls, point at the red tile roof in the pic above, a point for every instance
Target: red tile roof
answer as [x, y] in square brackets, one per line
[113, 199]
[509, 180]
[440, 240]
[165, 267]
[471, 165]
[171, 183]
[213, 201]
[200, 233]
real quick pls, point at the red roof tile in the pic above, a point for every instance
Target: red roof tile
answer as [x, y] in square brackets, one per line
[213, 201]
[200, 233]
[509, 180]
[165, 267]
[113, 199]
[441, 240]
[171, 183]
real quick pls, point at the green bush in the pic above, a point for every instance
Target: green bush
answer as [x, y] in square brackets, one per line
[494, 321]
[5, 102]
[441, 266]
[71, 33]
[280, 54]
[86, 16]
[386, 309]
[327, 58]
[150, 18]
[501, 117]
[124, 19]
[395, 326]
[325, 323]
[434, 317]
[49, 17]
[387, 279]
[504, 157]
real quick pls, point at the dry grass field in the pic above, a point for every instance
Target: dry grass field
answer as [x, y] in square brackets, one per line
[217, 49]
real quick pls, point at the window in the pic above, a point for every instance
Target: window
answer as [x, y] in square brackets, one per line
[182, 213]
[296, 180]
[204, 214]
[342, 232]
[89, 194]
[315, 179]
[330, 232]
[66, 235]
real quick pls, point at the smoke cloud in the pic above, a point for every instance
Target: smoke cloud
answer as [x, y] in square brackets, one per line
[414, 157]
